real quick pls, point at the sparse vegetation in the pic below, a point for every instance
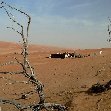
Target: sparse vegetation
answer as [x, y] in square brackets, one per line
[99, 88]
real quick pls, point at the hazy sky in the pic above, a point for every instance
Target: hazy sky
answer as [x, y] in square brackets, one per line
[63, 23]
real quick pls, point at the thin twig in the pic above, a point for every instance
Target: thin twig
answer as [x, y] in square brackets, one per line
[4, 72]
[8, 63]
[15, 30]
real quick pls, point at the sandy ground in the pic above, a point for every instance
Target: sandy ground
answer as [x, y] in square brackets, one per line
[66, 81]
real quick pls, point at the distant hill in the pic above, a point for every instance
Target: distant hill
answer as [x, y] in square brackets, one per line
[11, 47]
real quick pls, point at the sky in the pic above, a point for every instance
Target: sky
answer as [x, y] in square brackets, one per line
[61, 23]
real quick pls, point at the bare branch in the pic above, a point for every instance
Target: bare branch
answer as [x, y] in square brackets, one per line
[49, 106]
[15, 30]
[29, 18]
[1, 2]
[12, 18]
[4, 101]
[11, 72]
[109, 30]
[30, 67]
[1, 6]
[109, 19]
[17, 105]
[24, 69]
[8, 63]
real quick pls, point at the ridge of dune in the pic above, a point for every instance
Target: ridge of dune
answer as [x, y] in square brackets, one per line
[10, 47]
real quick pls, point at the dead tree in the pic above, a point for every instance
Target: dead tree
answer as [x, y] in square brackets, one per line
[109, 30]
[27, 69]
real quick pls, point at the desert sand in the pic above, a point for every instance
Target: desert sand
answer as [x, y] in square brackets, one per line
[66, 81]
